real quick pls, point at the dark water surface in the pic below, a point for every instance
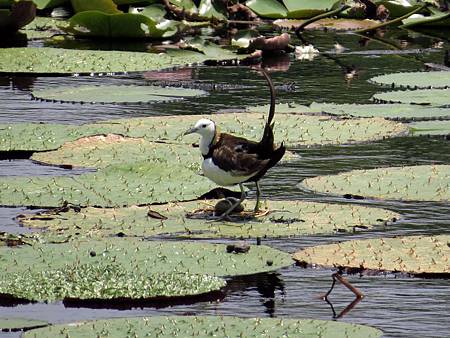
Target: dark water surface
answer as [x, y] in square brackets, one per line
[399, 305]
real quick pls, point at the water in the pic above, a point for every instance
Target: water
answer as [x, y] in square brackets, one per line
[397, 304]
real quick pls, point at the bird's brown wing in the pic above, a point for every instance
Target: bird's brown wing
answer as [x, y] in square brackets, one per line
[237, 155]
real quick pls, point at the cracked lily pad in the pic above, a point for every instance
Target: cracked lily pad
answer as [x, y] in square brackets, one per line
[20, 324]
[116, 94]
[414, 183]
[415, 79]
[191, 219]
[104, 281]
[223, 326]
[412, 254]
[434, 97]
[394, 111]
[116, 185]
[148, 257]
[67, 61]
[293, 129]
[430, 128]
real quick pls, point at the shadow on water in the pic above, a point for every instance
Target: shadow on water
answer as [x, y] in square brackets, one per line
[399, 305]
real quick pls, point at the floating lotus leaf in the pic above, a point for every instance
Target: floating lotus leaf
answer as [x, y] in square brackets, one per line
[105, 6]
[116, 94]
[439, 19]
[415, 79]
[412, 254]
[20, 324]
[327, 24]
[293, 129]
[148, 257]
[117, 185]
[212, 9]
[267, 8]
[104, 281]
[43, 4]
[43, 27]
[435, 97]
[192, 219]
[394, 111]
[223, 326]
[124, 25]
[280, 108]
[101, 151]
[397, 8]
[416, 183]
[307, 8]
[67, 61]
[430, 128]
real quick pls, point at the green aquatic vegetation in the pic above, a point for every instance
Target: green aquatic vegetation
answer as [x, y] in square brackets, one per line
[123, 25]
[104, 281]
[293, 129]
[210, 326]
[437, 19]
[394, 111]
[192, 219]
[307, 8]
[412, 254]
[413, 183]
[116, 94]
[20, 324]
[439, 79]
[267, 8]
[434, 97]
[116, 185]
[332, 24]
[45, 4]
[430, 128]
[148, 257]
[67, 61]
[101, 151]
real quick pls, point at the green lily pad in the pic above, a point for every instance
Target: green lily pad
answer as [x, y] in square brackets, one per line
[43, 27]
[435, 97]
[147, 257]
[67, 61]
[116, 185]
[105, 6]
[44, 4]
[116, 94]
[412, 254]
[101, 151]
[293, 129]
[327, 24]
[223, 326]
[440, 19]
[430, 128]
[104, 281]
[267, 8]
[124, 25]
[394, 111]
[305, 9]
[191, 219]
[212, 9]
[414, 183]
[280, 108]
[20, 324]
[415, 79]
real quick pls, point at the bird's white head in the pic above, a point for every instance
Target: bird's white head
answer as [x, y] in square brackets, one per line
[207, 130]
[204, 127]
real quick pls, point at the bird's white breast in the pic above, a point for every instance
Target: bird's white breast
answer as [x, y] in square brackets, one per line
[219, 176]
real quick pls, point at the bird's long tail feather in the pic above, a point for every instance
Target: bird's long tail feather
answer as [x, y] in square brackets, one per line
[267, 138]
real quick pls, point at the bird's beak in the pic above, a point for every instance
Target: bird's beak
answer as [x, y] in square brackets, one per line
[190, 131]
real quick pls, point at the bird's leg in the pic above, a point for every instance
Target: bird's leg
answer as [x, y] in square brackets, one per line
[258, 195]
[226, 213]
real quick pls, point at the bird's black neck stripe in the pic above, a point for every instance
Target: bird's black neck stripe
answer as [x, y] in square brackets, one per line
[213, 144]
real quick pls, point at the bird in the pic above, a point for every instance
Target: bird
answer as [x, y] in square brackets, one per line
[230, 160]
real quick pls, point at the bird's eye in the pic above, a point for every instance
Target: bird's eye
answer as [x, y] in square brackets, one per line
[203, 125]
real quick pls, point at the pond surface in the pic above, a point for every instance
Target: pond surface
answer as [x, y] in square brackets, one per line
[399, 305]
